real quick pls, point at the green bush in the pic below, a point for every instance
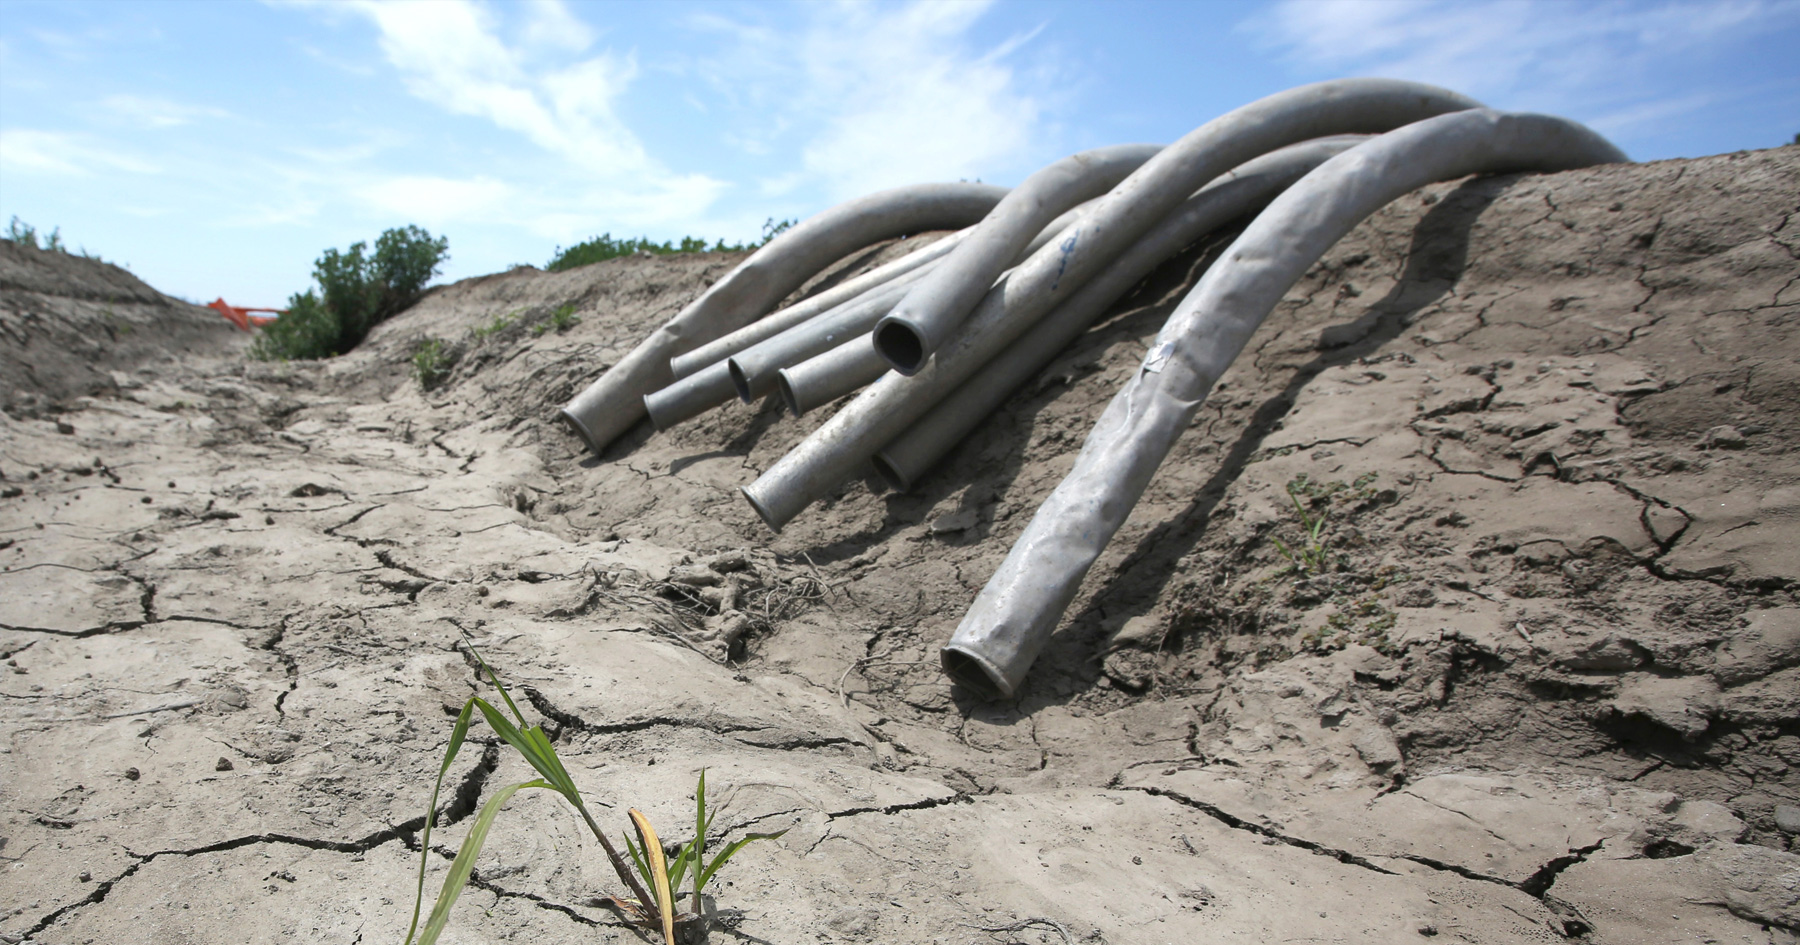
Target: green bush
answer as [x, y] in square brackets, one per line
[604, 247]
[357, 292]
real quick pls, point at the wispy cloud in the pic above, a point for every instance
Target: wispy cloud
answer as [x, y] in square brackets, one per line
[879, 96]
[546, 86]
[55, 152]
[1543, 54]
[149, 112]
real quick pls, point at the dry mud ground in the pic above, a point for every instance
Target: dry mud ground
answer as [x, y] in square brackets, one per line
[1547, 688]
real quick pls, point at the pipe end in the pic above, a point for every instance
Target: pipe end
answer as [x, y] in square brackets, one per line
[970, 671]
[890, 473]
[901, 345]
[755, 503]
[786, 387]
[580, 429]
[739, 380]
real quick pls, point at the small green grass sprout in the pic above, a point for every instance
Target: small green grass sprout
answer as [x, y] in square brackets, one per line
[655, 910]
[431, 362]
[1311, 554]
[559, 321]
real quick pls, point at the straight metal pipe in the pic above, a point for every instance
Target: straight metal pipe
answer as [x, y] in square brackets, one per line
[1021, 604]
[821, 379]
[779, 321]
[920, 323]
[614, 402]
[1051, 275]
[754, 369]
[905, 460]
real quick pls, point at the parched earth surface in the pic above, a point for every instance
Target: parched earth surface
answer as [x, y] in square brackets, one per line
[1536, 678]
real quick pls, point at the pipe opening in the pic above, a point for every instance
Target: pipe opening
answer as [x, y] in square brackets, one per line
[787, 392]
[758, 506]
[973, 673]
[901, 346]
[580, 429]
[894, 478]
[739, 380]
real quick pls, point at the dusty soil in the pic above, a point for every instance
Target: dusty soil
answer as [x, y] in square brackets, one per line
[1539, 681]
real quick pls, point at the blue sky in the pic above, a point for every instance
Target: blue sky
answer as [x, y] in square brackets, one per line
[216, 148]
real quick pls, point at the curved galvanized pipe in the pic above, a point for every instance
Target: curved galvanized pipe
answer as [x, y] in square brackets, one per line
[887, 407]
[1015, 613]
[755, 370]
[919, 324]
[610, 405]
[777, 322]
[1231, 196]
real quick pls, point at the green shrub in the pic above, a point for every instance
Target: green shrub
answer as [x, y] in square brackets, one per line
[18, 231]
[604, 247]
[357, 292]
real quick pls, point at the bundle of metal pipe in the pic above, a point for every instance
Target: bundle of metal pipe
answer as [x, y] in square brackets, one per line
[961, 329]
[1052, 275]
[1021, 604]
[612, 404]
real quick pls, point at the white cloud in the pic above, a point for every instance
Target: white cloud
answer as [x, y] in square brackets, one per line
[881, 96]
[151, 112]
[451, 54]
[437, 200]
[55, 152]
[1542, 54]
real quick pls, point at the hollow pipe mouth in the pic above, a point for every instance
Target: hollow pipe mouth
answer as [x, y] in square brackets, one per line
[901, 344]
[973, 672]
[890, 473]
[755, 503]
[786, 387]
[580, 428]
[739, 380]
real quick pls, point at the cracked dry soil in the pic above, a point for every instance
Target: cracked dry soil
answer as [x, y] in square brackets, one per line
[1544, 686]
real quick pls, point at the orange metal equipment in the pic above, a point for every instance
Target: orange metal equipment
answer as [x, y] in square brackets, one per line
[241, 317]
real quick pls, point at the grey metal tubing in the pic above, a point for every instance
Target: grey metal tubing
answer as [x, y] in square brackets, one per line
[1021, 604]
[932, 310]
[756, 369]
[720, 381]
[610, 405]
[887, 407]
[777, 322]
[753, 369]
[1227, 198]
[823, 378]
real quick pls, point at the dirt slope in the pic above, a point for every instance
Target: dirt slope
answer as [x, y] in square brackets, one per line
[1543, 685]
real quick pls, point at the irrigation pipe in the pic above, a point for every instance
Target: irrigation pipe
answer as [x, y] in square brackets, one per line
[905, 460]
[755, 369]
[887, 407]
[1012, 618]
[610, 405]
[777, 322]
[721, 381]
[920, 323]
[823, 378]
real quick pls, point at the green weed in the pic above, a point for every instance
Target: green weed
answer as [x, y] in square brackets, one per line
[498, 325]
[431, 362]
[653, 884]
[560, 321]
[18, 231]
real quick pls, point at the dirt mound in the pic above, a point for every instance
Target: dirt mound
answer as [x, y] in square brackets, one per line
[1536, 677]
[68, 322]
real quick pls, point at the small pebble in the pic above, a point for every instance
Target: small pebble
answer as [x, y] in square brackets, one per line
[145, 500]
[85, 876]
[224, 764]
[132, 774]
